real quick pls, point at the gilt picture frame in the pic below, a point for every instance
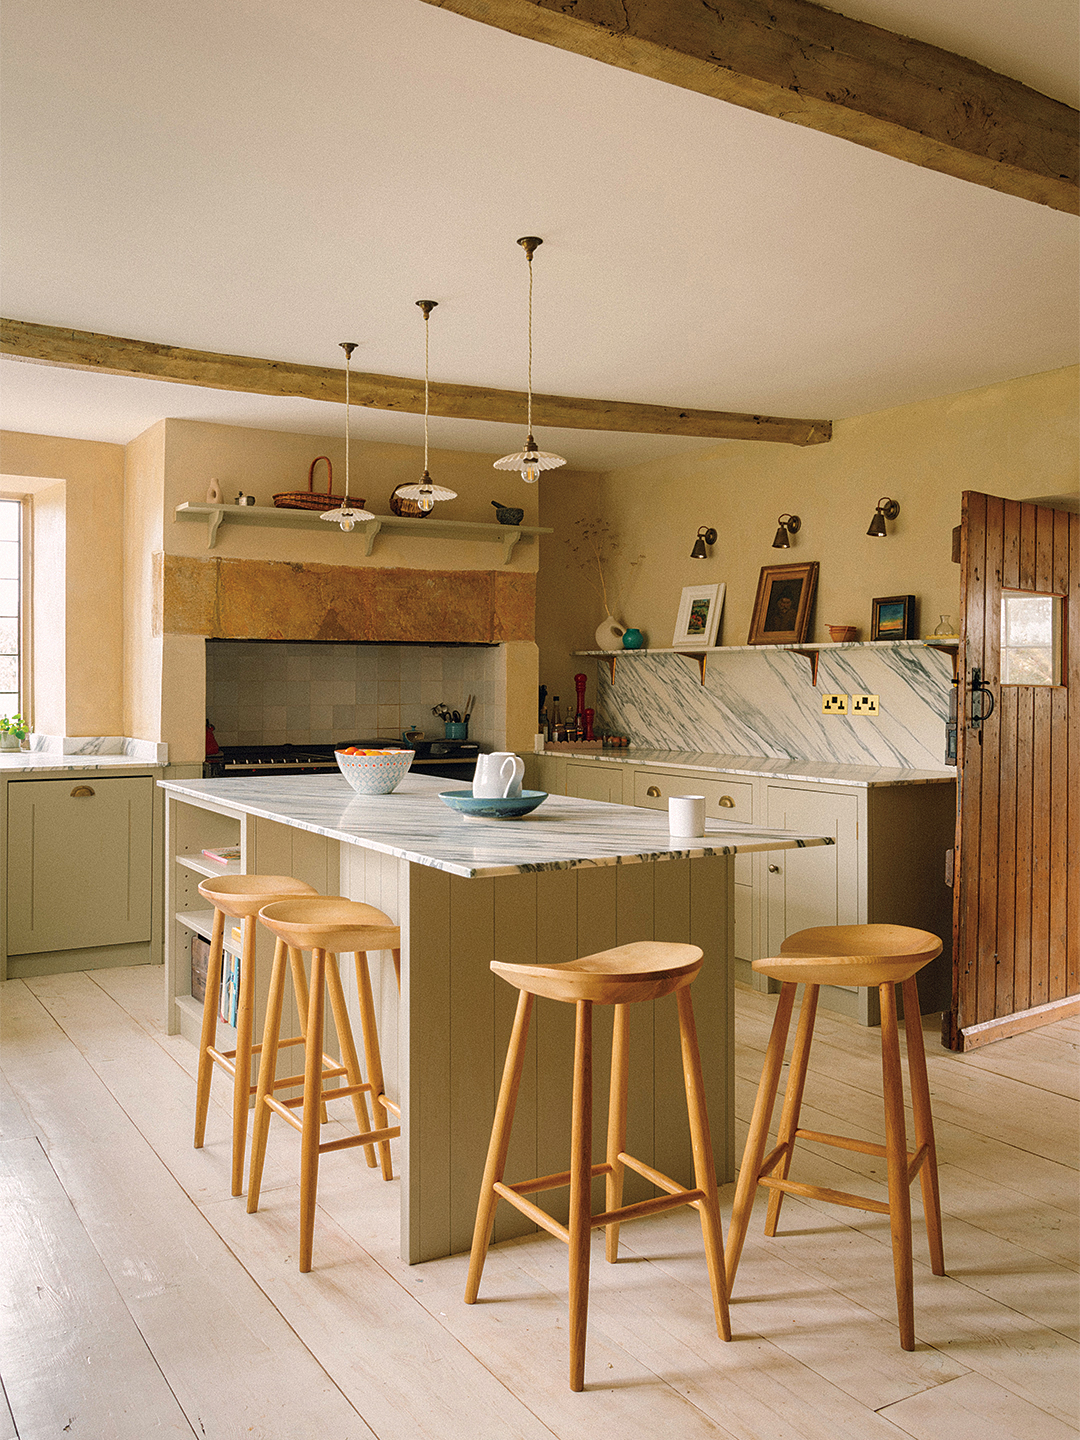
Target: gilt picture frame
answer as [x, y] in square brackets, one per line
[785, 597]
[699, 617]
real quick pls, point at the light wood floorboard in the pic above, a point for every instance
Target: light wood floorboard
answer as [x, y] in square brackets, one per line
[126, 1248]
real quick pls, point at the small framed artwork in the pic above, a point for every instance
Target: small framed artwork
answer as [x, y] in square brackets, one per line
[893, 618]
[785, 595]
[699, 617]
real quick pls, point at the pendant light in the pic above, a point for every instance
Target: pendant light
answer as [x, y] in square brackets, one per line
[345, 515]
[424, 492]
[530, 461]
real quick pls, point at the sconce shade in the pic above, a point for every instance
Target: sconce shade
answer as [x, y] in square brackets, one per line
[785, 525]
[706, 535]
[886, 510]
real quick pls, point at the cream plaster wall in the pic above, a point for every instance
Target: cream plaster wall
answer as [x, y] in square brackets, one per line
[78, 654]
[144, 509]
[1017, 439]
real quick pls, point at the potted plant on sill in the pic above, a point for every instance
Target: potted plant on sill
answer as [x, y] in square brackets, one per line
[13, 731]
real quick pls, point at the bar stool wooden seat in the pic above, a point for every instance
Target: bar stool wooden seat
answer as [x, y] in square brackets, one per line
[327, 926]
[646, 970]
[881, 955]
[240, 897]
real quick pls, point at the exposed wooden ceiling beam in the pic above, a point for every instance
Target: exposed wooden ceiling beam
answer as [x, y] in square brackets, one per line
[799, 62]
[111, 355]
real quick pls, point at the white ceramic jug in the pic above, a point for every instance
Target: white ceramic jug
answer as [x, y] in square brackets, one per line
[498, 775]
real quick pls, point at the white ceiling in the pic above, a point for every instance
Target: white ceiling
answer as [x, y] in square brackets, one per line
[269, 178]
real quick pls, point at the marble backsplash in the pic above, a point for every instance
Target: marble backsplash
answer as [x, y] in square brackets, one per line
[763, 702]
[150, 752]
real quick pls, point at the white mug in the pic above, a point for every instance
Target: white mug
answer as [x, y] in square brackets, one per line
[498, 775]
[686, 816]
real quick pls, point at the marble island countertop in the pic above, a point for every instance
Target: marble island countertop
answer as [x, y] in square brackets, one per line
[413, 824]
[772, 767]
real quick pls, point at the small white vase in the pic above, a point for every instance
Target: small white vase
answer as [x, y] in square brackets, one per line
[609, 634]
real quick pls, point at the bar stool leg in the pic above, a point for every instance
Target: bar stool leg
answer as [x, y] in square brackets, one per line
[758, 1134]
[924, 1124]
[267, 1070]
[349, 1058]
[896, 1155]
[499, 1144]
[208, 1035]
[580, 1191]
[793, 1098]
[616, 1133]
[369, 1032]
[309, 1135]
[704, 1166]
[300, 990]
[245, 1016]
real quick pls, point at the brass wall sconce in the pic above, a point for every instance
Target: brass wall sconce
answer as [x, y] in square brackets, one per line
[886, 510]
[786, 525]
[706, 535]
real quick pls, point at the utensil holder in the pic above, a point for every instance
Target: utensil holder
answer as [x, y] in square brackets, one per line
[457, 730]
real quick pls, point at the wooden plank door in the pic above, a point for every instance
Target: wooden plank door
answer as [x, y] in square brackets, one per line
[1017, 892]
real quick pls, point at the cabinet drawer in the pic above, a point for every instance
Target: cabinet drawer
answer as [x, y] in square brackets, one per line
[725, 799]
[79, 861]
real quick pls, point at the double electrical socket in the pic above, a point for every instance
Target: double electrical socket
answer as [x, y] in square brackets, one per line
[860, 705]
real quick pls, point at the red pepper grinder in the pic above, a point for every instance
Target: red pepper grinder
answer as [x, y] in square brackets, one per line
[589, 717]
[580, 681]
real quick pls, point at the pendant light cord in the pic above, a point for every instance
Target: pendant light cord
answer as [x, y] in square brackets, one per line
[348, 357]
[427, 341]
[528, 427]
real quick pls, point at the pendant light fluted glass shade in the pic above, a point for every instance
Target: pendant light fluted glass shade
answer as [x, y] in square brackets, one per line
[345, 515]
[425, 493]
[530, 462]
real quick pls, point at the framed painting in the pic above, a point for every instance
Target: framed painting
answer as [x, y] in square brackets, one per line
[893, 618]
[785, 595]
[699, 617]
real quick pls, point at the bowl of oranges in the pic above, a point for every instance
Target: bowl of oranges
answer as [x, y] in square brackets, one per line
[373, 772]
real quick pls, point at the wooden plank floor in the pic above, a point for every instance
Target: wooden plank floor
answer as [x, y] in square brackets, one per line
[139, 1299]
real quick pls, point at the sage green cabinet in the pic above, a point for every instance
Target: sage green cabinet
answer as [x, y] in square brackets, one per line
[79, 871]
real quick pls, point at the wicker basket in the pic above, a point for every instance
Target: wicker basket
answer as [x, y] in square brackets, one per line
[310, 499]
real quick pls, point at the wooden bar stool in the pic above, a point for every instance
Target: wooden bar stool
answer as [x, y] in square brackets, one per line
[327, 926]
[646, 970]
[881, 955]
[240, 897]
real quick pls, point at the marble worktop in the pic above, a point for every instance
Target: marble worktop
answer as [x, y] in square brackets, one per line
[825, 772]
[412, 823]
[47, 762]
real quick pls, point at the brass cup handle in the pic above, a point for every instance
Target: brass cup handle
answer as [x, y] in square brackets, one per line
[81, 790]
[726, 802]
[654, 791]
[774, 869]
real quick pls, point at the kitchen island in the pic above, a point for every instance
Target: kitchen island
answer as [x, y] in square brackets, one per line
[575, 876]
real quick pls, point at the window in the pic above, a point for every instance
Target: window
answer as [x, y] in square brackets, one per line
[1030, 638]
[10, 608]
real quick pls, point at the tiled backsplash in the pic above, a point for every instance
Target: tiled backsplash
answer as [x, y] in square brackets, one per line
[276, 693]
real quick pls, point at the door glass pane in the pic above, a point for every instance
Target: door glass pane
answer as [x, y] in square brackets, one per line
[1030, 639]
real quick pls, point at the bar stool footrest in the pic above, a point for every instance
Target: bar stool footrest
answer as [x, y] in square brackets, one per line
[818, 1192]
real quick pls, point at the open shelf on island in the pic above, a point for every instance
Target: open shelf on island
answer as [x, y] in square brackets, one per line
[365, 531]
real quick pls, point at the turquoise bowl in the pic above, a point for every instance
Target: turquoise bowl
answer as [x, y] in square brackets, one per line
[513, 807]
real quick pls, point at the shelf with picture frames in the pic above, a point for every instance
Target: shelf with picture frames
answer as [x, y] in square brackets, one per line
[808, 650]
[365, 531]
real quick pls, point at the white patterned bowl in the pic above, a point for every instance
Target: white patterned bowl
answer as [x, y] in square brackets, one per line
[377, 772]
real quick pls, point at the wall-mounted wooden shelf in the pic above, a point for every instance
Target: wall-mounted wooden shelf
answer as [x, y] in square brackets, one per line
[365, 532]
[807, 651]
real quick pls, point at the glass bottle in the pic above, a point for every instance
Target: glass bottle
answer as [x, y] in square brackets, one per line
[945, 626]
[555, 723]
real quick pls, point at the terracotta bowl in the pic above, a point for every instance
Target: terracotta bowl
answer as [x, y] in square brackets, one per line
[842, 633]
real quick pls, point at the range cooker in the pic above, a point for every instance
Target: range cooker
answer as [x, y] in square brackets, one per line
[447, 759]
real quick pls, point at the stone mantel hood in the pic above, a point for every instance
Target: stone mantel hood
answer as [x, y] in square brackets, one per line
[238, 599]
